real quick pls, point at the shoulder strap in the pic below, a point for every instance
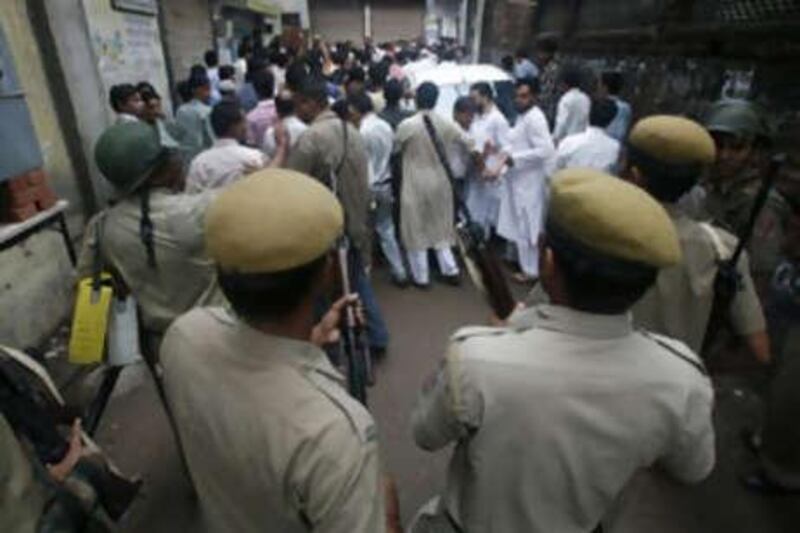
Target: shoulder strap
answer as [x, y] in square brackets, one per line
[697, 364]
[438, 146]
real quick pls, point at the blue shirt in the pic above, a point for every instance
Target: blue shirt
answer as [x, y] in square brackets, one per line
[618, 128]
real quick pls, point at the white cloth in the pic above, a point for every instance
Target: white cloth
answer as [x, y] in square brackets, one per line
[572, 115]
[524, 191]
[525, 69]
[379, 140]
[420, 270]
[459, 157]
[213, 78]
[593, 148]
[483, 196]
[294, 128]
[222, 164]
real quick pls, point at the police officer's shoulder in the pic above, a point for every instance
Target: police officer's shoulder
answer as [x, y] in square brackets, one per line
[676, 349]
[721, 240]
[341, 407]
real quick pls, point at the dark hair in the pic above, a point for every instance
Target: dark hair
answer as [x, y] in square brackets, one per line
[316, 89]
[548, 46]
[196, 81]
[507, 62]
[378, 73]
[245, 47]
[145, 86]
[521, 53]
[341, 108]
[224, 116]
[596, 282]
[226, 72]
[602, 112]
[571, 76]
[530, 83]
[296, 75]
[613, 81]
[356, 74]
[254, 64]
[427, 95]
[665, 182]
[269, 296]
[464, 104]
[284, 106]
[361, 102]
[197, 70]
[211, 58]
[393, 92]
[119, 95]
[184, 91]
[264, 84]
[483, 89]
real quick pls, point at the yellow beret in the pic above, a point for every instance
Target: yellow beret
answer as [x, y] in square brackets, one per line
[270, 221]
[673, 140]
[613, 217]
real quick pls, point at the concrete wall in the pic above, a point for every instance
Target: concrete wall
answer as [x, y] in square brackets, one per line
[187, 34]
[35, 277]
[506, 27]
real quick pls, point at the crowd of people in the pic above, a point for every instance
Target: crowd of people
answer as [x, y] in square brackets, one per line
[223, 227]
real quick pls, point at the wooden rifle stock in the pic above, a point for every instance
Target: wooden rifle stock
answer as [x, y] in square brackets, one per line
[482, 264]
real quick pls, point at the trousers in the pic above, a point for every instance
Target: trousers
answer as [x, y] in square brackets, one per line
[418, 261]
[385, 228]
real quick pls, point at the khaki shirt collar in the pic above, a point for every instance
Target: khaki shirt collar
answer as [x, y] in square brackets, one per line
[300, 354]
[577, 323]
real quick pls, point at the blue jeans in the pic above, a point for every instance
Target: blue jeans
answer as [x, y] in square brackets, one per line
[377, 332]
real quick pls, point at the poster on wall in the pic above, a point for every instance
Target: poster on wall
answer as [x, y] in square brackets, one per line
[127, 47]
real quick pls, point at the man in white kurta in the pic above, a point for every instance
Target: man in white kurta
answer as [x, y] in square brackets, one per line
[530, 157]
[593, 148]
[489, 130]
[426, 204]
[572, 115]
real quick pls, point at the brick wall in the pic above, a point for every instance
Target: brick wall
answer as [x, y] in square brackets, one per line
[187, 34]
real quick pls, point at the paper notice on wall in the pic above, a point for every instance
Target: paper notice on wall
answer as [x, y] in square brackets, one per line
[127, 48]
[737, 84]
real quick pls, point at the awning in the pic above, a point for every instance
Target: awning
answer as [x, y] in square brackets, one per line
[259, 6]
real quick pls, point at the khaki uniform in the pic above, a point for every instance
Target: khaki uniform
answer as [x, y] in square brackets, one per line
[679, 305]
[272, 439]
[729, 207]
[319, 151]
[554, 415]
[22, 496]
[184, 276]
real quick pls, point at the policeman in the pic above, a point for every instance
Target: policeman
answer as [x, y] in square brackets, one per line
[152, 237]
[741, 137]
[553, 415]
[666, 155]
[271, 438]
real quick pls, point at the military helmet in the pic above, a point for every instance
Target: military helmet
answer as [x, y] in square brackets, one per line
[126, 154]
[737, 117]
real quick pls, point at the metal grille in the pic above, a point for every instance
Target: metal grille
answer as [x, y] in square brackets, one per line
[747, 12]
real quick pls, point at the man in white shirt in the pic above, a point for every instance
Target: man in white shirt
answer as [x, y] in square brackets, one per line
[379, 141]
[292, 125]
[490, 132]
[524, 68]
[530, 157]
[212, 71]
[458, 155]
[611, 86]
[572, 115]
[126, 102]
[227, 160]
[594, 148]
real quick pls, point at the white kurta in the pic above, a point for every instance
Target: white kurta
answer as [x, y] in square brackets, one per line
[524, 189]
[426, 199]
[483, 196]
[572, 115]
[594, 148]
[222, 164]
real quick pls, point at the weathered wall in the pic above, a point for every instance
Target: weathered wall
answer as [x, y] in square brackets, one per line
[506, 27]
[35, 277]
[187, 34]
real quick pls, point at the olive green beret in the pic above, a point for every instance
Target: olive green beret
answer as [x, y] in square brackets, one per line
[613, 217]
[270, 221]
[126, 154]
[673, 140]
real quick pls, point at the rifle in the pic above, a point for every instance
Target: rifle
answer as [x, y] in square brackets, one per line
[353, 343]
[728, 280]
[483, 267]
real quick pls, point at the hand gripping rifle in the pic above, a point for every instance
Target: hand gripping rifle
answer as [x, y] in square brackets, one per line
[728, 280]
[483, 267]
[354, 343]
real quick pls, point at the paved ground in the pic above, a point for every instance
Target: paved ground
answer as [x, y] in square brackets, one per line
[136, 433]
